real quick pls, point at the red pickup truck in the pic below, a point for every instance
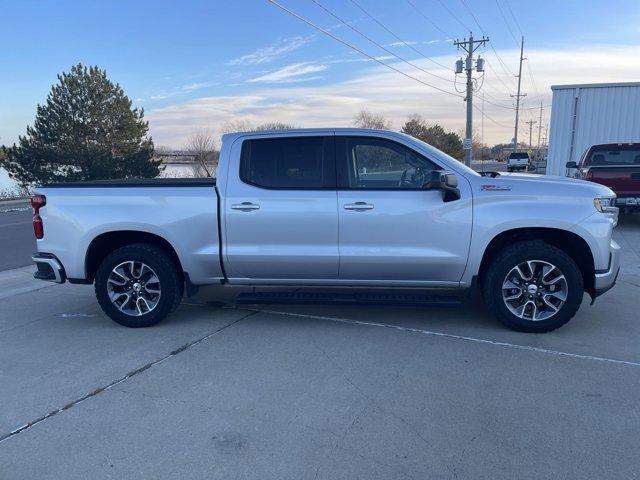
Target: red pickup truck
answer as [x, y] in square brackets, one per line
[615, 165]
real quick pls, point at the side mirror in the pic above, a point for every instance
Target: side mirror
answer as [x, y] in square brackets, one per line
[571, 165]
[449, 180]
[445, 181]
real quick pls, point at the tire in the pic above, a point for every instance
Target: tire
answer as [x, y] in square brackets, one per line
[538, 296]
[147, 301]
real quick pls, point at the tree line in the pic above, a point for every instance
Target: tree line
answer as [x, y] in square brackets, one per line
[88, 130]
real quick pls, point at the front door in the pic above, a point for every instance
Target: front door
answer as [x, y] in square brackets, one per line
[391, 229]
[281, 212]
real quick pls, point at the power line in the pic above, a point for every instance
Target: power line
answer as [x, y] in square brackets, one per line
[506, 69]
[422, 14]
[533, 82]
[492, 120]
[506, 22]
[351, 27]
[455, 17]
[507, 87]
[515, 19]
[353, 47]
[396, 36]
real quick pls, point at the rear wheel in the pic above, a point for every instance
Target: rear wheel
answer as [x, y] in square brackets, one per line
[533, 287]
[138, 285]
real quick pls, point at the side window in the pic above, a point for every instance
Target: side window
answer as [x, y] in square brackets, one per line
[288, 163]
[383, 164]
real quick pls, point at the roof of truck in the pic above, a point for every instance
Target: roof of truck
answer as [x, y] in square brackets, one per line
[296, 131]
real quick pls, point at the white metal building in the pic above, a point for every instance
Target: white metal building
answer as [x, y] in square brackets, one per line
[584, 115]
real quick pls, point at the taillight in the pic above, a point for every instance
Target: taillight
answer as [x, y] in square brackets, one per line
[37, 202]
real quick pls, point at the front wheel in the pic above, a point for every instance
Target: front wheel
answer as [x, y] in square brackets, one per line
[533, 287]
[138, 285]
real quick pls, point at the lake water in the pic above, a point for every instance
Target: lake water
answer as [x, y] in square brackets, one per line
[5, 181]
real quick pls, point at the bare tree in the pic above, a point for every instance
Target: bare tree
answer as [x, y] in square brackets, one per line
[247, 126]
[203, 148]
[273, 126]
[240, 125]
[366, 119]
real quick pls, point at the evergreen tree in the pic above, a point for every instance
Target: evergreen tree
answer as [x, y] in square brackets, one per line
[87, 130]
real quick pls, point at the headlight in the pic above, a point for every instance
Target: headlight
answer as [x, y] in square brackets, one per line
[605, 204]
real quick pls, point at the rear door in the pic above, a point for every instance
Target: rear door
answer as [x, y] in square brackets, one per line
[391, 229]
[281, 212]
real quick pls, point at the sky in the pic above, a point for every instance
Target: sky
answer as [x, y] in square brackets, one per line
[196, 65]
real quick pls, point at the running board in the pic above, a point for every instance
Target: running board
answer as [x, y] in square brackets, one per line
[311, 298]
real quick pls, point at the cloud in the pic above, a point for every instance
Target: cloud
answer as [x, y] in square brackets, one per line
[272, 52]
[380, 90]
[400, 44]
[290, 73]
[197, 86]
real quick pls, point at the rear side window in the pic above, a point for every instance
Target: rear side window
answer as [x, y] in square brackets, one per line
[626, 156]
[288, 163]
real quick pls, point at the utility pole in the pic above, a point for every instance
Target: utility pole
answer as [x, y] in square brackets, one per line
[531, 123]
[517, 97]
[482, 135]
[469, 46]
[539, 125]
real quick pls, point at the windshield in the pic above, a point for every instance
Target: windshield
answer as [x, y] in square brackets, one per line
[614, 156]
[458, 164]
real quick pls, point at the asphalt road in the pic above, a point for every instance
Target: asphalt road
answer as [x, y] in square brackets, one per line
[316, 391]
[17, 242]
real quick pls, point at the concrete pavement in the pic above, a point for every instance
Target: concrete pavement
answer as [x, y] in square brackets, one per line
[316, 391]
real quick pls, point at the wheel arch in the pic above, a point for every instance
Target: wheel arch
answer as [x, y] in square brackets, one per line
[572, 244]
[108, 242]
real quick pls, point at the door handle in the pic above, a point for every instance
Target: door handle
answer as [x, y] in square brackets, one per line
[245, 206]
[358, 206]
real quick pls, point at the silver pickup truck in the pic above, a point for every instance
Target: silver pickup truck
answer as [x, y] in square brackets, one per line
[333, 208]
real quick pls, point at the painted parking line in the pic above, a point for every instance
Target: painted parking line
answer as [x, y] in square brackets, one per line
[457, 337]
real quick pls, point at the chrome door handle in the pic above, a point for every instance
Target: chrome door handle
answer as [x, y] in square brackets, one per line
[245, 206]
[358, 206]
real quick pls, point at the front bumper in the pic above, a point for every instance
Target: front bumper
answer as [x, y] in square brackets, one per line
[49, 268]
[606, 279]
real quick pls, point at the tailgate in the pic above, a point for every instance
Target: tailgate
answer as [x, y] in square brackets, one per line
[622, 180]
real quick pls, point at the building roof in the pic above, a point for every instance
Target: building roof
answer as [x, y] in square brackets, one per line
[596, 85]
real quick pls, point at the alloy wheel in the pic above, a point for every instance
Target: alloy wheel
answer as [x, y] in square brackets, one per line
[134, 288]
[535, 290]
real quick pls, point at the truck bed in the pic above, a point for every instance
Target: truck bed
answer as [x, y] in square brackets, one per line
[182, 211]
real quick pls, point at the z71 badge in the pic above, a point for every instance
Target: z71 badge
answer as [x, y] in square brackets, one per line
[495, 188]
